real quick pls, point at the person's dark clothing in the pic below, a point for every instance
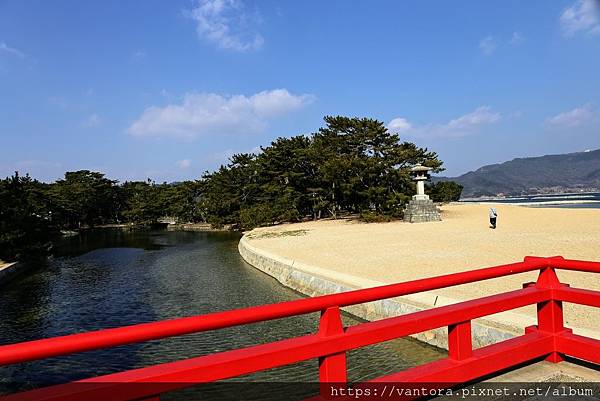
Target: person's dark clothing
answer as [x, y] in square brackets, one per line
[493, 216]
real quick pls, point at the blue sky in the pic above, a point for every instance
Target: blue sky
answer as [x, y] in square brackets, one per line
[168, 89]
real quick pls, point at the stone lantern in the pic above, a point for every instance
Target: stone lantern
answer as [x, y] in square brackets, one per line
[420, 174]
[421, 209]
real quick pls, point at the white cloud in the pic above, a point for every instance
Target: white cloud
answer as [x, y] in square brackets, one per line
[572, 118]
[184, 163]
[464, 125]
[517, 38]
[221, 157]
[227, 24]
[399, 125]
[582, 16]
[481, 116]
[488, 45]
[11, 50]
[92, 121]
[224, 156]
[210, 113]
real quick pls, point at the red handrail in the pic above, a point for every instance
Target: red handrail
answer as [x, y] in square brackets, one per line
[549, 339]
[106, 338]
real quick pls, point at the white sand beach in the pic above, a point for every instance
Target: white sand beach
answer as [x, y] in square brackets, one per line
[398, 251]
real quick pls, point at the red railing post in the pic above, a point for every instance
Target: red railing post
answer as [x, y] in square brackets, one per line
[330, 343]
[460, 344]
[332, 368]
[550, 313]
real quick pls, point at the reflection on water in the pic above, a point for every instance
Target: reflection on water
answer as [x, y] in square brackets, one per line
[109, 278]
[89, 240]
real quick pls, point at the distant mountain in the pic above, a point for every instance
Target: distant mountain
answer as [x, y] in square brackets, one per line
[571, 172]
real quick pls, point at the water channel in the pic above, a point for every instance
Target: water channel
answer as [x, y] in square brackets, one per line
[110, 277]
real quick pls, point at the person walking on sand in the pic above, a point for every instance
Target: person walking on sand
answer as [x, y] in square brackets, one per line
[493, 217]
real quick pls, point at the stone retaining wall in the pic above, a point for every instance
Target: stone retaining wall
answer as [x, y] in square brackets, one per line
[315, 281]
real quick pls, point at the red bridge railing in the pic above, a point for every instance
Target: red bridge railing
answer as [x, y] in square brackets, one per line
[549, 339]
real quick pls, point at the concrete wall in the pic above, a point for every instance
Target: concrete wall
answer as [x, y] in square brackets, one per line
[315, 281]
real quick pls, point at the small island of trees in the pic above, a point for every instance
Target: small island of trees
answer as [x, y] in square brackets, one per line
[351, 166]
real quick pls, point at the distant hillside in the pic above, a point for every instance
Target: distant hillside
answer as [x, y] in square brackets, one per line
[545, 174]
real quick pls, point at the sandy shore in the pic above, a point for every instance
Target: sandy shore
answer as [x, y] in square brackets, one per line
[398, 251]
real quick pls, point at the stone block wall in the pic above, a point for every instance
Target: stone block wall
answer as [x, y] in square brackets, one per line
[421, 211]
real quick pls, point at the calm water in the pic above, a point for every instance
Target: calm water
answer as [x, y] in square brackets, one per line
[546, 200]
[110, 278]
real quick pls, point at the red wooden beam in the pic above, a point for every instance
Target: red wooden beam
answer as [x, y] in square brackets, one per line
[578, 346]
[252, 359]
[576, 265]
[448, 372]
[40, 349]
[550, 312]
[332, 368]
[460, 344]
[578, 296]
[484, 361]
[331, 342]
[417, 322]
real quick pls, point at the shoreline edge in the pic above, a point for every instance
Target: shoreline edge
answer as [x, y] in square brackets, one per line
[315, 281]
